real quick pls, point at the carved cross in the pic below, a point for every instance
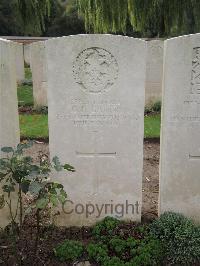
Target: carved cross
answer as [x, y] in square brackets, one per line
[194, 157]
[96, 154]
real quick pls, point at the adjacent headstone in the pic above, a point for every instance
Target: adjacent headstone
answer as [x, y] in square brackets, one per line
[96, 111]
[19, 57]
[27, 56]
[154, 72]
[9, 121]
[180, 149]
[39, 76]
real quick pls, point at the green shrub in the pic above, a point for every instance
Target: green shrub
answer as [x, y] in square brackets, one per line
[149, 252]
[105, 228]
[118, 251]
[153, 108]
[41, 110]
[157, 106]
[69, 251]
[114, 261]
[98, 252]
[180, 237]
[118, 245]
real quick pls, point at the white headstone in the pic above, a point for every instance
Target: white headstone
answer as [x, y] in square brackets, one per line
[39, 76]
[20, 72]
[96, 110]
[27, 56]
[153, 90]
[180, 149]
[9, 121]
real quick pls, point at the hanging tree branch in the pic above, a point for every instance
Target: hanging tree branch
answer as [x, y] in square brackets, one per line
[165, 17]
[34, 12]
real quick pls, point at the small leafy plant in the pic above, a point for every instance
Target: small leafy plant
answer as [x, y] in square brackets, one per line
[19, 175]
[180, 237]
[153, 108]
[98, 252]
[69, 251]
[105, 228]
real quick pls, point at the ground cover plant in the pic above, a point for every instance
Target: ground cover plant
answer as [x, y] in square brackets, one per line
[109, 243]
[180, 237]
[113, 243]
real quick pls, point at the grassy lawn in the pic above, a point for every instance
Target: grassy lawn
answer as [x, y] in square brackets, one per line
[25, 95]
[25, 92]
[152, 126]
[28, 74]
[36, 126]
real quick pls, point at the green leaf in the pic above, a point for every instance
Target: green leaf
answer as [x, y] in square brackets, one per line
[41, 203]
[23, 146]
[69, 168]
[35, 187]
[54, 200]
[57, 185]
[4, 163]
[57, 164]
[34, 170]
[7, 149]
[62, 198]
[25, 186]
[8, 188]
[28, 159]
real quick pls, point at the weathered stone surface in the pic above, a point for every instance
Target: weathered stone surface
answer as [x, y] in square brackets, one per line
[9, 121]
[38, 67]
[153, 90]
[19, 57]
[180, 149]
[96, 110]
[27, 56]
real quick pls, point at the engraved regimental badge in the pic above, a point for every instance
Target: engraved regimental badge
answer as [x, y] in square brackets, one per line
[95, 70]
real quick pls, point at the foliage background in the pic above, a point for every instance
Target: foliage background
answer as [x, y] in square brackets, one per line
[139, 18]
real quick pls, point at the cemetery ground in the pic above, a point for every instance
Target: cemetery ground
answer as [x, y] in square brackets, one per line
[170, 240]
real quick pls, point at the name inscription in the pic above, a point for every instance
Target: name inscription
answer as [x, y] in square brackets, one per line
[96, 113]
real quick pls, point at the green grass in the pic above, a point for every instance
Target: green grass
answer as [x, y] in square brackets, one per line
[28, 74]
[36, 126]
[25, 95]
[152, 126]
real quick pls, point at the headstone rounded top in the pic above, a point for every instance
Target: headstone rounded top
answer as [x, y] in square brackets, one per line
[95, 70]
